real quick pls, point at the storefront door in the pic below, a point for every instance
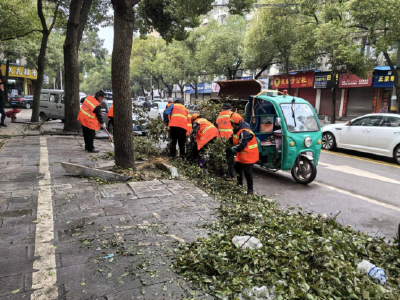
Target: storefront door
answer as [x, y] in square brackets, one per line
[359, 101]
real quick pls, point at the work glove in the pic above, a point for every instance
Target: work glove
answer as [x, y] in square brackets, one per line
[104, 126]
[233, 150]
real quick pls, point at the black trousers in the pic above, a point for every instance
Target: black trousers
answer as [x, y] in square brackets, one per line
[88, 135]
[178, 135]
[248, 173]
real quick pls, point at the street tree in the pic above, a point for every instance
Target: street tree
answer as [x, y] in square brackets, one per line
[81, 14]
[52, 9]
[378, 23]
[222, 51]
[99, 76]
[170, 19]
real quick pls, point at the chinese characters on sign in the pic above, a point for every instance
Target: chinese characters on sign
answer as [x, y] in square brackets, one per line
[350, 81]
[383, 79]
[299, 80]
[324, 80]
[20, 71]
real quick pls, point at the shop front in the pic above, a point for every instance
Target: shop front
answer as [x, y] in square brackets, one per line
[360, 95]
[204, 91]
[302, 85]
[383, 90]
[21, 80]
[323, 83]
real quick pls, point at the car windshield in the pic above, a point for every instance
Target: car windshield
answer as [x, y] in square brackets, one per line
[299, 117]
[162, 105]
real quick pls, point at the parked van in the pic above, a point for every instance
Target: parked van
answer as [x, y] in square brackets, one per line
[52, 105]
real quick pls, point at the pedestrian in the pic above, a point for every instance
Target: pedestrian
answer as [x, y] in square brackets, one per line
[384, 109]
[246, 149]
[177, 115]
[2, 105]
[204, 132]
[226, 130]
[146, 105]
[110, 114]
[91, 119]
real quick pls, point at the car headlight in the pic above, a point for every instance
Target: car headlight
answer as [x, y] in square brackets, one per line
[307, 141]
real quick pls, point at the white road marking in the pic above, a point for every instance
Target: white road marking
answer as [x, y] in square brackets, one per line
[358, 172]
[357, 196]
[44, 280]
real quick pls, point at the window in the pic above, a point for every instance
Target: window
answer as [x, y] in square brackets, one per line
[54, 98]
[299, 117]
[266, 124]
[390, 122]
[368, 121]
[44, 97]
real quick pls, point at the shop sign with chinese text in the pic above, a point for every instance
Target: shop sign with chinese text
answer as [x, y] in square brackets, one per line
[383, 79]
[19, 71]
[323, 80]
[298, 80]
[352, 81]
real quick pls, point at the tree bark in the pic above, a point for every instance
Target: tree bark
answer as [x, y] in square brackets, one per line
[396, 74]
[261, 71]
[333, 112]
[6, 91]
[41, 59]
[124, 19]
[288, 78]
[78, 15]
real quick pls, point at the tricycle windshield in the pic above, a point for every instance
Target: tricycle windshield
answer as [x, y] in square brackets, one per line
[299, 117]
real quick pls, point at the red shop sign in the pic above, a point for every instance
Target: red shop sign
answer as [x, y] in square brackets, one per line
[299, 80]
[352, 81]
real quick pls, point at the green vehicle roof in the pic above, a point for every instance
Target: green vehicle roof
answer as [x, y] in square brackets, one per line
[281, 99]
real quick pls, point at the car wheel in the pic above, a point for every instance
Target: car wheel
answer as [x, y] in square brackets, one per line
[110, 127]
[27, 105]
[328, 141]
[43, 117]
[396, 155]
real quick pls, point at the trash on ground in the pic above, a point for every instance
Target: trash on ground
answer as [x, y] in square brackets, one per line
[108, 256]
[376, 273]
[246, 241]
[257, 293]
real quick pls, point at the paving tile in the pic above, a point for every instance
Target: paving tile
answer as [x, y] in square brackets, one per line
[11, 283]
[153, 194]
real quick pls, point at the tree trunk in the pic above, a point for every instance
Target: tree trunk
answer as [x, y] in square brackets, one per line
[124, 19]
[261, 71]
[333, 113]
[397, 83]
[41, 59]
[78, 14]
[196, 95]
[39, 81]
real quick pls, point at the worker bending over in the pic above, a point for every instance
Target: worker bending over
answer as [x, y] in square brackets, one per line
[246, 149]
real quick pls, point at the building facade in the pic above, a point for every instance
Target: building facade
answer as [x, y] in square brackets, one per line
[21, 80]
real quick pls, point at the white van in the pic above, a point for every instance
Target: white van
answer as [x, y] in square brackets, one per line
[52, 104]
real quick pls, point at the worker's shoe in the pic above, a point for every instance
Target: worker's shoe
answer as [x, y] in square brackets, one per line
[4, 125]
[93, 151]
[249, 194]
[230, 179]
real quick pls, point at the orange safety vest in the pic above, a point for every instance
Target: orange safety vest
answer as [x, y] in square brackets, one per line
[206, 132]
[224, 124]
[179, 117]
[111, 112]
[86, 115]
[189, 124]
[250, 154]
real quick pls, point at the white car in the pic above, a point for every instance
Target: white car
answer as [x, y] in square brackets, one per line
[157, 110]
[374, 133]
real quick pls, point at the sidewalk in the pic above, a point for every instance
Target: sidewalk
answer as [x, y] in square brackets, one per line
[56, 229]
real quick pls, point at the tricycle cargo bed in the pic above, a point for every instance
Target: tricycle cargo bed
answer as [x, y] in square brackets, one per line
[239, 90]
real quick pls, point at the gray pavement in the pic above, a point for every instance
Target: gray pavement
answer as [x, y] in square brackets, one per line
[140, 223]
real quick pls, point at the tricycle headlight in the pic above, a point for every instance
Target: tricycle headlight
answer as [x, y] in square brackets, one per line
[307, 142]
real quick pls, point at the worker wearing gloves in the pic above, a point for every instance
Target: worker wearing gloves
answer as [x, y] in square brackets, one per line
[91, 119]
[203, 132]
[246, 149]
[178, 127]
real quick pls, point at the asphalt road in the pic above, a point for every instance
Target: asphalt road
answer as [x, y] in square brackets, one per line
[364, 190]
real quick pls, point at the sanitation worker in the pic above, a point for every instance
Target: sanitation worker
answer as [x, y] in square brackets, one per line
[226, 130]
[91, 119]
[246, 149]
[178, 126]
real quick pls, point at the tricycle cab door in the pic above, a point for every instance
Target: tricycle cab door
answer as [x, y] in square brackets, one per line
[301, 133]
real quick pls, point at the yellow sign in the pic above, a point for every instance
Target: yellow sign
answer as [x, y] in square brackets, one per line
[19, 71]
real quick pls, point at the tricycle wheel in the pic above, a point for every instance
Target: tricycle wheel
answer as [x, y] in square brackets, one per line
[304, 170]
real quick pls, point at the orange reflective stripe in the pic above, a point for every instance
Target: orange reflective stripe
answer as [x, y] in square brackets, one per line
[91, 104]
[179, 115]
[230, 130]
[208, 127]
[87, 114]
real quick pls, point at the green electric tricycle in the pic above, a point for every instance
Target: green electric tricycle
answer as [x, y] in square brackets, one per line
[287, 129]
